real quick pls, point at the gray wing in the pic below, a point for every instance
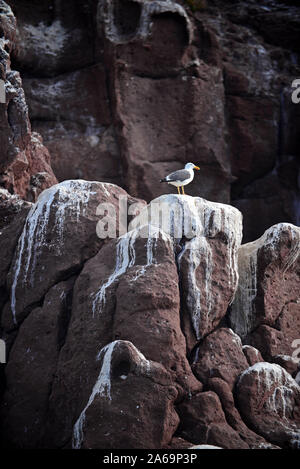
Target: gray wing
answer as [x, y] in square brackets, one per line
[179, 175]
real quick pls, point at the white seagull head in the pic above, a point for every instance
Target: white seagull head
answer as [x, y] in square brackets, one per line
[191, 166]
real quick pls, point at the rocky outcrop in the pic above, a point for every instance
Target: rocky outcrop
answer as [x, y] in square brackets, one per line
[58, 236]
[233, 417]
[108, 316]
[148, 326]
[220, 355]
[34, 354]
[128, 291]
[269, 387]
[24, 160]
[207, 237]
[141, 267]
[126, 378]
[204, 422]
[64, 220]
[265, 311]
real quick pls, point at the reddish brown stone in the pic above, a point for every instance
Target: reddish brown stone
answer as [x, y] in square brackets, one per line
[76, 120]
[131, 405]
[269, 401]
[34, 354]
[220, 355]
[151, 56]
[272, 342]
[268, 279]
[155, 87]
[58, 236]
[39, 175]
[23, 155]
[22, 152]
[128, 291]
[207, 237]
[220, 92]
[155, 314]
[253, 131]
[266, 309]
[221, 388]
[202, 420]
[154, 144]
[252, 355]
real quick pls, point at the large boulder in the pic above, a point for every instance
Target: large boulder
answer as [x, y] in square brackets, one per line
[60, 233]
[269, 401]
[233, 417]
[129, 302]
[152, 309]
[207, 236]
[130, 405]
[220, 355]
[203, 422]
[128, 291]
[34, 354]
[265, 311]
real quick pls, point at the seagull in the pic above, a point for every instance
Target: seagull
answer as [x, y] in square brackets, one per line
[182, 177]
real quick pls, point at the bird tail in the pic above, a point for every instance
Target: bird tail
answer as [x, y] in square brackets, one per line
[163, 180]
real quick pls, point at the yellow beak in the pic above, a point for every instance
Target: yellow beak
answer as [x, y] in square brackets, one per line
[197, 167]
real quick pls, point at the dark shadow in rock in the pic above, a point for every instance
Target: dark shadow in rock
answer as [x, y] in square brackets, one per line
[127, 17]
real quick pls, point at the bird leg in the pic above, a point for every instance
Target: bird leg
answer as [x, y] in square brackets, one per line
[178, 190]
[182, 188]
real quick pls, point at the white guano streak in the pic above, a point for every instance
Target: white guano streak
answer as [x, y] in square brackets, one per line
[153, 234]
[199, 252]
[242, 315]
[70, 197]
[102, 386]
[125, 258]
[212, 219]
[243, 312]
